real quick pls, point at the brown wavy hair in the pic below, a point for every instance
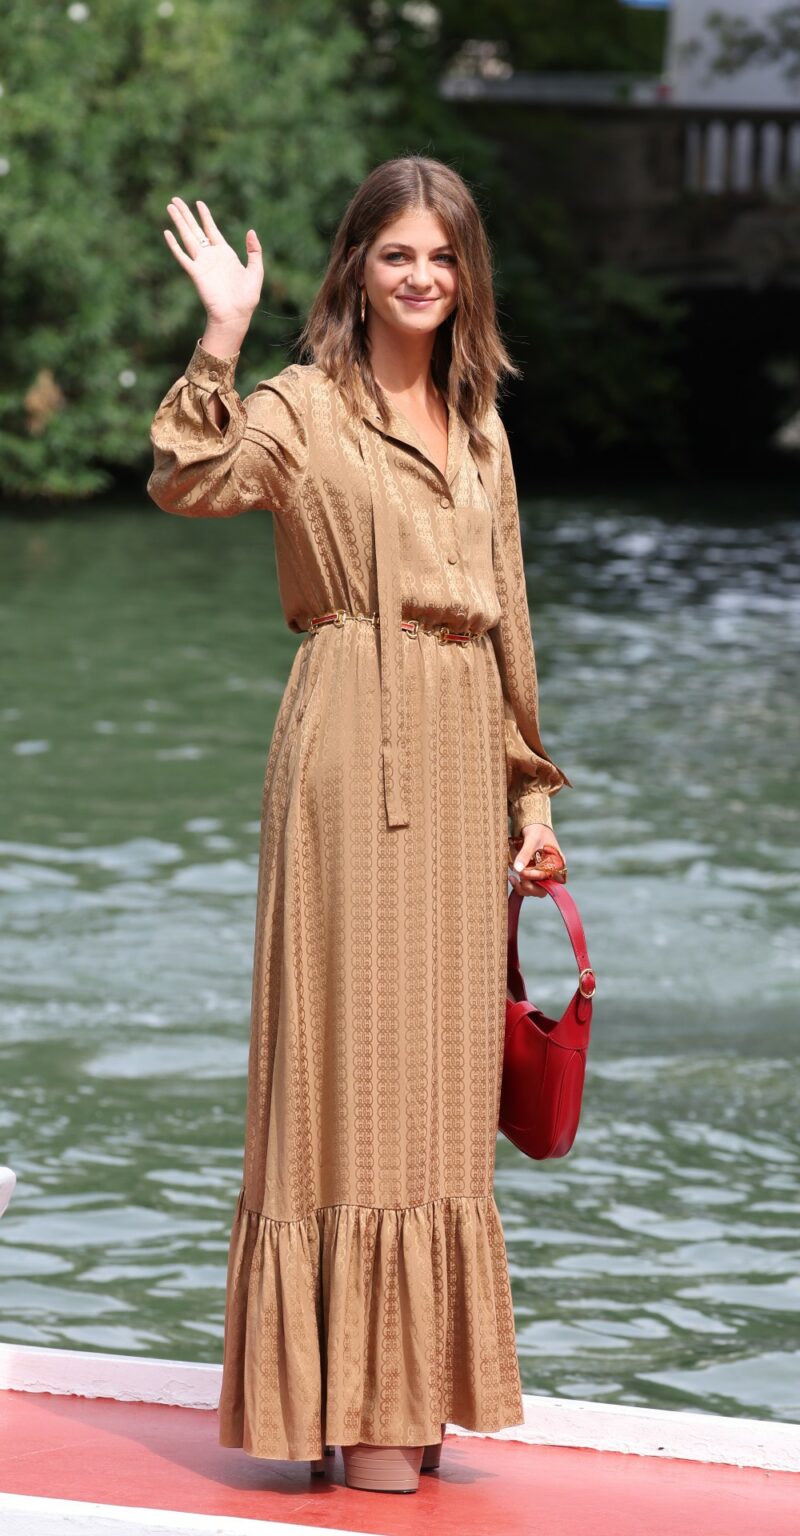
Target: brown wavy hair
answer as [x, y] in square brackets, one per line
[469, 355]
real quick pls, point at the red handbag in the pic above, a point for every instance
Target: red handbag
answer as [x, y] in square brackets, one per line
[544, 1060]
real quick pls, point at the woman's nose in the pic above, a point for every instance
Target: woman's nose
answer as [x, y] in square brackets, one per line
[421, 275]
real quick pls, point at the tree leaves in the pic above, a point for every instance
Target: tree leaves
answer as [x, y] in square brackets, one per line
[257, 108]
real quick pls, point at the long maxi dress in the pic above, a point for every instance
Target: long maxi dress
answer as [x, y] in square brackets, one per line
[368, 1294]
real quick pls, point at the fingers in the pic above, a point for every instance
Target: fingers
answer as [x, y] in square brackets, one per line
[530, 843]
[208, 223]
[527, 887]
[193, 235]
[186, 224]
[176, 250]
[253, 249]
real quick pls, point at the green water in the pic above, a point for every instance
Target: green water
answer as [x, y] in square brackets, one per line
[143, 661]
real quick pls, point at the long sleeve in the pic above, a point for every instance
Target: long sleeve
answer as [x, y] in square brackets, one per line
[258, 457]
[532, 775]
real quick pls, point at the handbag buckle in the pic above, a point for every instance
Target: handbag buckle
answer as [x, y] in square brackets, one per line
[587, 971]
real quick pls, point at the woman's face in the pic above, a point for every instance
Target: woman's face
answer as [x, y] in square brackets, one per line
[411, 273]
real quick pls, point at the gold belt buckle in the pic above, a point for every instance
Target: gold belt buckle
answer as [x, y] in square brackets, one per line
[321, 620]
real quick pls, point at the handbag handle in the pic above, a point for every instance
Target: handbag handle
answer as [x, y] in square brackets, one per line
[587, 983]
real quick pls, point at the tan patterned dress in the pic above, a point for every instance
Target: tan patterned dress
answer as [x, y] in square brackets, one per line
[368, 1293]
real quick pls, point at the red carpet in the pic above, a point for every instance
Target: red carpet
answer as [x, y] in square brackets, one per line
[168, 1458]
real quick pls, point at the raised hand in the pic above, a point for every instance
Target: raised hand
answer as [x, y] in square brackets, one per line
[228, 290]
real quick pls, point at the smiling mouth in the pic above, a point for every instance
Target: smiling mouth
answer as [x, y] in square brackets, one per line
[407, 298]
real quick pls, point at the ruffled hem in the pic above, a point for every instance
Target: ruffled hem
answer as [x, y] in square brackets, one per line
[372, 1324]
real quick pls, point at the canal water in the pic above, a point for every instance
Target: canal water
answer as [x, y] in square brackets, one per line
[144, 660]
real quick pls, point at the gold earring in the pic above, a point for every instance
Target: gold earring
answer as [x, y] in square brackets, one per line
[363, 304]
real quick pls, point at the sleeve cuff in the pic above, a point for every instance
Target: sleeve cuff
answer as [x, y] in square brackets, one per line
[530, 807]
[210, 372]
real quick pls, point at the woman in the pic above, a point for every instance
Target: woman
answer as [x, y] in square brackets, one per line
[368, 1299]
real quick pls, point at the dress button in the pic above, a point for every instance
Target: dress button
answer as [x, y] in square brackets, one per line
[444, 501]
[452, 559]
[213, 375]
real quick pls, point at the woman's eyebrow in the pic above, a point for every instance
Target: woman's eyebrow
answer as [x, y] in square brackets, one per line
[397, 245]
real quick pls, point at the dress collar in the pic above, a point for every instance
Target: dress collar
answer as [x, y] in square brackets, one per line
[402, 431]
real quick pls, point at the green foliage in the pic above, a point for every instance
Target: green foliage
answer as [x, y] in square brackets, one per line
[564, 34]
[599, 350]
[108, 110]
[272, 111]
[535, 34]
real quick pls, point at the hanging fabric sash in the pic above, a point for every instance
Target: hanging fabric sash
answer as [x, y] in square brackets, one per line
[390, 636]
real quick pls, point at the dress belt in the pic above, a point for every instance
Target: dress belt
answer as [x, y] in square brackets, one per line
[396, 813]
[340, 616]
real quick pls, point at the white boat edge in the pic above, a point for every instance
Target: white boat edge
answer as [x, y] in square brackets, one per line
[557, 1421]
[21, 1515]
[8, 1180]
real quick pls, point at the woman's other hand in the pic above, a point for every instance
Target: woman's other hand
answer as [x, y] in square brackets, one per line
[228, 290]
[523, 875]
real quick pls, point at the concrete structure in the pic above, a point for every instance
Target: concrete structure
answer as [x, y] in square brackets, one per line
[690, 175]
[691, 48]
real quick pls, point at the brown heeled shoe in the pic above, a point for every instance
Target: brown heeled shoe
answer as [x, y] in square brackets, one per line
[432, 1455]
[382, 1468]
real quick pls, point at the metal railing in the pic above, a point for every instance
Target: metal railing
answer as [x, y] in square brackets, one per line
[741, 152]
